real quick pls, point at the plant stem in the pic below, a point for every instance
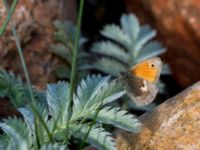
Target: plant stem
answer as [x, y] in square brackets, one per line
[10, 12]
[75, 52]
[74, 61]
[19, 49]
[33, 103]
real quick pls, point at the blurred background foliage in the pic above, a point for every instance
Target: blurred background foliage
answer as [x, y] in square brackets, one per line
[98, 22]
[121, 47]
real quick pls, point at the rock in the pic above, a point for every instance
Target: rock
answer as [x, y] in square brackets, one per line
[178, 26]
[34, 24]
[175, 124]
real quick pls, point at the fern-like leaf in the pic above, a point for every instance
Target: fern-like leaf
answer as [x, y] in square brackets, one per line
[15, 137]
[53, 147]
[118, 118]
[65, 36]
[91, 95]
[111, 50]
[145, 35]
[132, 40]
[112, 91]
[28, 117]
[20, 127]
[66, 31]
[98, 137]
[13, 145]
[151, 49]
[4, 141]
[115, 33]
[12, 87]
[62, 51]
[107, 65]
[96, 91]
[86, 92]
[130, 25]
[58, 101]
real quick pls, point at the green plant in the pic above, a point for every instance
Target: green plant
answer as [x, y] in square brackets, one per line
[65, 37]
[126, 46]
[93, 93]
[18, 93]
[65, 110]
[9, 15]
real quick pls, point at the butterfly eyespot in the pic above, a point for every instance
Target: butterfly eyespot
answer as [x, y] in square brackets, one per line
[152, 65]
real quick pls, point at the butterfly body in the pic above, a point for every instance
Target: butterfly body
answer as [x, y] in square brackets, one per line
[140, 81]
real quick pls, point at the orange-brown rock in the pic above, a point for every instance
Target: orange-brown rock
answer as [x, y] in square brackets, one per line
[178, 25]
[173, 125]
[34, 23]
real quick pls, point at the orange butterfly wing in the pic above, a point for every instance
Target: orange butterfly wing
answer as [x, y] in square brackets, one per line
[148, 70]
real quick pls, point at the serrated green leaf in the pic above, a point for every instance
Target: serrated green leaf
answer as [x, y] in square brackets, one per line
[133, 37]
[58, 101]
[58, 25]
[23, 132]
[66, 31]
[12, 145]
[113, 91]
[97, 137]
[14, 135]
[104, 92]
[28, 117]
[130, 25]
[70, 30]
[86, 91]
[118, 118]
[94, 92]
[60, 36]
[53, 147]
[12, 87]
[115, 33]
[4, 141]
[111, 50]
[145, 35]
[151, 49]
[99, 93]
[109, 66]
[62, 51]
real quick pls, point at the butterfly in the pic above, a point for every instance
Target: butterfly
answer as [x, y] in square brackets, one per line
[140, 81]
